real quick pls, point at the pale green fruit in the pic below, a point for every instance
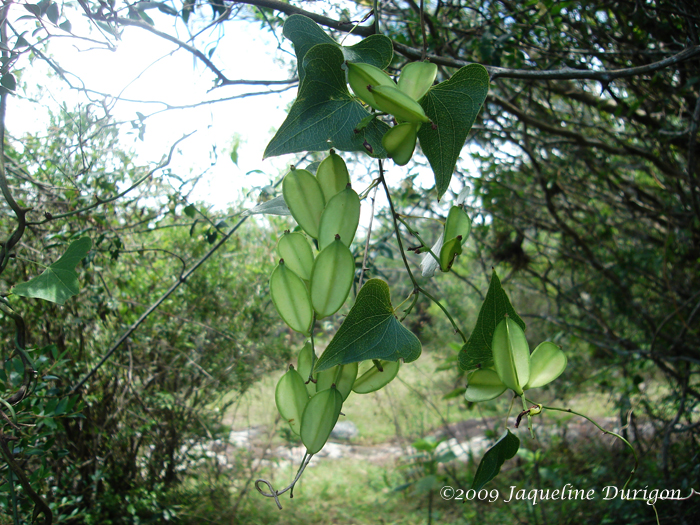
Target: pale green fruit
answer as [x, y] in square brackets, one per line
[547, 362]
[331, 278]
[304, 198]
[342, 376]
[291, 398]
[511, 355]
[319, 418]
[400, 142]
[395, 102]
[305, 361]
[291, 298]
[372, 379]
[417, 78]
[297, 254]
[457, 224]
[361, 75]
[449, 251]
[332, 175]
[341, 217]
[482, 385]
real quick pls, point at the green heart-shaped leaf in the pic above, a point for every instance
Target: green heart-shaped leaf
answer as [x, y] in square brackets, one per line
[477, 352]
[58, 282]
[505, 448]
[305, 34]
[370, 331]
[324, 114]
[452, 106]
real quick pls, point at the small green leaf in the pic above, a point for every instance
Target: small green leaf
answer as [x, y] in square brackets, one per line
[8, 82]
[477, 351]
[165, 8]
[33, 9]
[370, 331]
[58, 282]
[146, 18]
[187, 9]
[190, 211]
[235, 144]
[52, 12]
[504, 449]
[452, 106]
[324, 114]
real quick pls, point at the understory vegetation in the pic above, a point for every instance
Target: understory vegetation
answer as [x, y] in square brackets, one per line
[141, 346]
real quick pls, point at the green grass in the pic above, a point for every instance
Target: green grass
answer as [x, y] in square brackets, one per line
[359, 490]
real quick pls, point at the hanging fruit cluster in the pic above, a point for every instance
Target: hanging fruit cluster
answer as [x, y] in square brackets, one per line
[305, 287]
[377, 89]
[513, 365]
[311, 401]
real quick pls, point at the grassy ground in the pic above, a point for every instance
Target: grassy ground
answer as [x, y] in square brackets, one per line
[357, 490]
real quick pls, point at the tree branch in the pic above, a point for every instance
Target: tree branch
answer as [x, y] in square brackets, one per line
[567, 73]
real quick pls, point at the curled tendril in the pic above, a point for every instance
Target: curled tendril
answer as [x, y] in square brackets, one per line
[275, 493]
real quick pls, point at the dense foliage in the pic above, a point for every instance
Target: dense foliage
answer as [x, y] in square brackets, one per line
[585, 198]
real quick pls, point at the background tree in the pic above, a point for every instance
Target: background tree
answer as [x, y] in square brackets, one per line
[585, 193]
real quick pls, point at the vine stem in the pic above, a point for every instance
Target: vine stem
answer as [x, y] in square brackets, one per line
[276, 493]
[369, 236]
[417, 236]
[416, 287]
[604, 431]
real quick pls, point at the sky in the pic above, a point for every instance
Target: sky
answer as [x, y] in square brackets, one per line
[143, 67]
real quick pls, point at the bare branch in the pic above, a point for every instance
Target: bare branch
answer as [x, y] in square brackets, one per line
[603, 75]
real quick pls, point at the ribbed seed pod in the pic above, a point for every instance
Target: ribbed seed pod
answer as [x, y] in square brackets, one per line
[291, 398]
[331, 279]
[395, 102]
[342, 376]
[340, 217]
[304, 198]
[361, 75]
[400, 142]
[305, 361]
[457, 224]
[511, 355]
[291, 298]
[376, 377]
[297, 254]
[417, 78]
[332, 175]
[319, 418]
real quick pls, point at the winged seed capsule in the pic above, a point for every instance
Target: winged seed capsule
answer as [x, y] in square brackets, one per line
[304, 198]
[319, 418]
[511, 355]
[291, 298]
[331, 278]
[291, 398]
